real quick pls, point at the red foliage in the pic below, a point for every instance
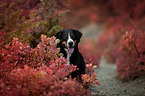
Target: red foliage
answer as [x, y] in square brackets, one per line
[90, 77]
[42, 81]
[12, 56]
[134, 9]
[90, 53]
[25, 5]
[39, 71]
[131, 62]
[19, 54]
[108, 42]
[1, 38]
[121, 16]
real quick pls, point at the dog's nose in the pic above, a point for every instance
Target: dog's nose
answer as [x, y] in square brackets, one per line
[70, 43]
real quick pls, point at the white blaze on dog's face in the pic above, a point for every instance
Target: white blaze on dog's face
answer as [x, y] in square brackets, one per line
[70, 44]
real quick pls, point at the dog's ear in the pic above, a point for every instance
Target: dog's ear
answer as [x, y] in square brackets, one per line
[59, 35]
[78, 35]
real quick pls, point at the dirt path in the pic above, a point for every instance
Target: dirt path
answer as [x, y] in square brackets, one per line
[111, 86]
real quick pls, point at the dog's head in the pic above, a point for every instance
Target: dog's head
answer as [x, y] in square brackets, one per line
[69, 39]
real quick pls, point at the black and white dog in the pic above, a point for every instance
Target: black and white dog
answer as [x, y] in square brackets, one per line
[68, 45]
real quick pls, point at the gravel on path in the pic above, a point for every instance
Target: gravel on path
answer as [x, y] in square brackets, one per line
[111, 86]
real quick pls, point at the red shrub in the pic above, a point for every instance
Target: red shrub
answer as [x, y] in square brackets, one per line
[39, 71]
[131, 62]
[42, 81]
[25, 5]
[90, 78]
[43, 20]
[90, 53]
[19, 54]
[13, 56]
[1, 38]
[119, 15]
[109, 41]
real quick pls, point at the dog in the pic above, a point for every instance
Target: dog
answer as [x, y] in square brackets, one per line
[69, 39]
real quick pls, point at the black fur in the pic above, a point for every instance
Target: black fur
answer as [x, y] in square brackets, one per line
[76, 57]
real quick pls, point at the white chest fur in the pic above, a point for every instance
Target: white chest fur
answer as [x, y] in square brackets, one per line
[68, 58]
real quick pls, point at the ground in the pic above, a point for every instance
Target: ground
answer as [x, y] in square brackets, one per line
[111, 86]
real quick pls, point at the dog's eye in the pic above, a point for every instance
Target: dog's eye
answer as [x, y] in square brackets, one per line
[65, 37]
[73, 36]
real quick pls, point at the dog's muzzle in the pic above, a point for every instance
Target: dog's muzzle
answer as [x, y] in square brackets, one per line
[70, 44]
[70, 47]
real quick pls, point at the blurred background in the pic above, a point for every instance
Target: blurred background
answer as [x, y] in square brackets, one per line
[111, 28]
